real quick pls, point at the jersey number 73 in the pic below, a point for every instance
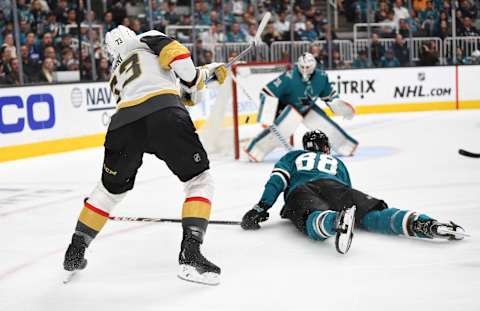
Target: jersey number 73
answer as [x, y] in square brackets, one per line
[130, 67]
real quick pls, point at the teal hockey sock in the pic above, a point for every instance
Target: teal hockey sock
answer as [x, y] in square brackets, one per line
[321, 225]
[392, 221]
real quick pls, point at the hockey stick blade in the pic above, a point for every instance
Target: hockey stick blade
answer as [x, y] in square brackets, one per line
[261, 27]
[256, 40]
[175, 220]
[468, 153]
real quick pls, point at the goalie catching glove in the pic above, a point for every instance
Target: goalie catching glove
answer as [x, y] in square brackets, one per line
[254, 216]
[189, 91]
[341, 108]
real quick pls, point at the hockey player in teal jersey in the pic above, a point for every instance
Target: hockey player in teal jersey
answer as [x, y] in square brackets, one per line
[320, 200]
[291, 99]
[292, 89]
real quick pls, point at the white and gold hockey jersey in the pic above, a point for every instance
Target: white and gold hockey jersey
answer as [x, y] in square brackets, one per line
[143, 82]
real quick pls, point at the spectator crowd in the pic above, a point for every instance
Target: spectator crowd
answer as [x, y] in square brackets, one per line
[49, 37]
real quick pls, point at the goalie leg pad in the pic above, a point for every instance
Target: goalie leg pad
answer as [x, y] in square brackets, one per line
[264, 143]
[268, 109]
[341, 142]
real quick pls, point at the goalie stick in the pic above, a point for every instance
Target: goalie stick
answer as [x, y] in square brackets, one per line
[176, 220]
[468, 153]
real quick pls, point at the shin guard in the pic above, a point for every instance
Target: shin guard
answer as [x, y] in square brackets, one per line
[95, 212]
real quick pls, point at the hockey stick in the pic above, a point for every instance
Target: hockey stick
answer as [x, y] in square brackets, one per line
[468, 153]
[256, 41]
[283, 141]
[176, 220]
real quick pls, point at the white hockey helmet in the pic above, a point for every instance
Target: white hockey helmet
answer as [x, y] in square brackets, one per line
[118, 43]
[306, 65]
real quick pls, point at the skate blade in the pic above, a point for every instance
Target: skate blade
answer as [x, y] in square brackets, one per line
[343, 240]
[458, 234]
[190, 274]
[69, 275]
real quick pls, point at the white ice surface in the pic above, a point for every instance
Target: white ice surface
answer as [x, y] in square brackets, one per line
[409, 160]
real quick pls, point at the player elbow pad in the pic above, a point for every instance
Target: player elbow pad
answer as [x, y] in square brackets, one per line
[185, 69]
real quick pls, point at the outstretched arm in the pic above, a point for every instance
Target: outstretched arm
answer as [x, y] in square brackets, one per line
[175, 56]
[277, 183]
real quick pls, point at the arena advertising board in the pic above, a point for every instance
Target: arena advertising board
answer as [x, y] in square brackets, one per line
[39, 113]
[468, 89]
[396, 89]
[60, 113]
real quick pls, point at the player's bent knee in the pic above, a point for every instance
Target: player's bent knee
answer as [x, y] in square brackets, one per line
[103, 199]
[114, 187]
[200, 186]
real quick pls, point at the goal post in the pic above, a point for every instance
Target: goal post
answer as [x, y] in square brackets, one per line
[232, 120]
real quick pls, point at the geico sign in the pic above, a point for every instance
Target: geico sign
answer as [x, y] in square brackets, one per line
[39, 112]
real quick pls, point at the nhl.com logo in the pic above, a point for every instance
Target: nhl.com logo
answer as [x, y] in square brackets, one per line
[421, 76]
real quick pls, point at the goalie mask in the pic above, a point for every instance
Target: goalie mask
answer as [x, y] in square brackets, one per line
[316, 140]
[118, 43]
[306, 65]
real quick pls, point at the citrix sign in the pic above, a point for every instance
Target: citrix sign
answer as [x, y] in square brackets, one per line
[26, 112]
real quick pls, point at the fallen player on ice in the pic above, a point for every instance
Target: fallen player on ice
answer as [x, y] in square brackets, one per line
[320, 200]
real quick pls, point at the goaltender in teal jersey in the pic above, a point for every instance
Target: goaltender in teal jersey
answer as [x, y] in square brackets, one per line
[291, 89]
[296, 98]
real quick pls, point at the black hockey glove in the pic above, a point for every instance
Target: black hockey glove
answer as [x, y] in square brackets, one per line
[251, 218]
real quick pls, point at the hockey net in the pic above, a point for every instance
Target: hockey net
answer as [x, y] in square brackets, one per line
[231, 110]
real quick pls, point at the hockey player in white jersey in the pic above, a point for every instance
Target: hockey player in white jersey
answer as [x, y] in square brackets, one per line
[290, 99]
[151, 118]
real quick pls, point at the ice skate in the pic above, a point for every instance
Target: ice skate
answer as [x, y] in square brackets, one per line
[74, 257]
[194, 267]
[344, 225]
[434, 229]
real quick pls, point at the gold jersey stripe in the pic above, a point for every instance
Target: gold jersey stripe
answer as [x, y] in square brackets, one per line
[196, 209]
[92, 220]
[170, 52]
[138, 101]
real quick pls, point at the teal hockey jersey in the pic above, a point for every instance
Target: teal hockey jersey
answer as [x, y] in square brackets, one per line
[299, 167]
[290, 89]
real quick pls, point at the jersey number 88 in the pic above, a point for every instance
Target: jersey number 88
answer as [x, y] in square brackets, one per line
[322, 162]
